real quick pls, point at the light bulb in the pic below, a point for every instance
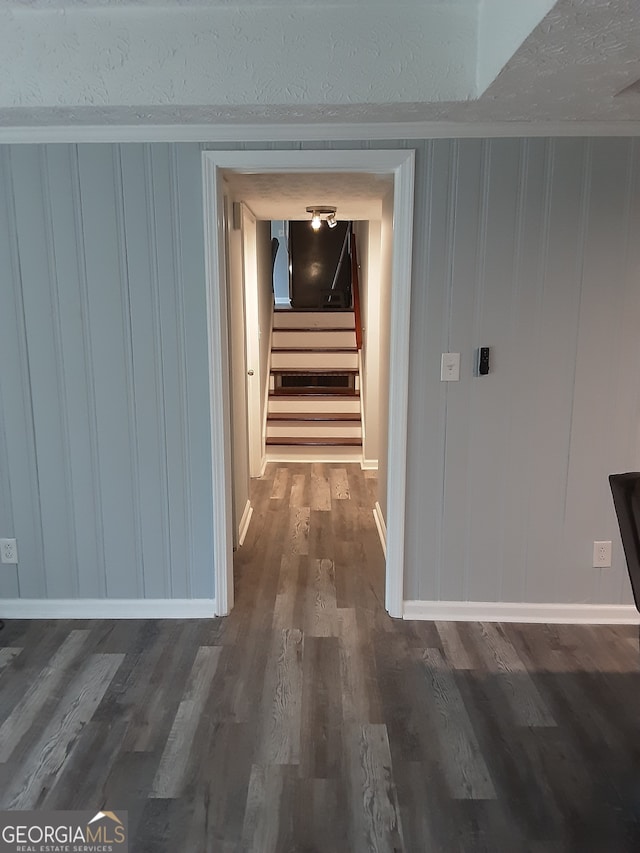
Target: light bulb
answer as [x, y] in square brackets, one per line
[316, 222]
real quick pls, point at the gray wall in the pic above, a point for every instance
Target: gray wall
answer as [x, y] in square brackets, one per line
[104, 426]
[529, 247]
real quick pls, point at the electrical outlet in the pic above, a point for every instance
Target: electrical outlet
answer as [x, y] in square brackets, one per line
[8, 551]
[602, 554]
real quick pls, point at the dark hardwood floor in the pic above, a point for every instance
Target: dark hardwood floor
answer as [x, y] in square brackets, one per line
[308, 721]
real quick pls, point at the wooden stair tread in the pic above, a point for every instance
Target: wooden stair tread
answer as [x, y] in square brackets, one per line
[319, 391]
[313, 416]
[322, 371]
[347, 350]
[316, 329]
[328, 441]
[279, 309]
[295, 393]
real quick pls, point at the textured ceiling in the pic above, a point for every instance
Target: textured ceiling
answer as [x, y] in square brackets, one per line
[237, 56]
[285, 196]
[83, 66]
[573, 66]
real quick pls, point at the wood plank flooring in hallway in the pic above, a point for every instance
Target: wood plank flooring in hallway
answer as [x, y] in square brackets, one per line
[308, 721]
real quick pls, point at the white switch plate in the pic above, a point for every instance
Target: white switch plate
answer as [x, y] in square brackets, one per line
[602, 554]
[8, 551]
[450, 367]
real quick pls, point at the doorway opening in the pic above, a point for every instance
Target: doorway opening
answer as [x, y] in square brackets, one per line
[398, 165]
[315, 405]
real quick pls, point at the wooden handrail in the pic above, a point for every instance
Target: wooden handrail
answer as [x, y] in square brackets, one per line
[355, 286]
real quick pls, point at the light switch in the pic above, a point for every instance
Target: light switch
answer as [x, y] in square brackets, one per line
[450, 367]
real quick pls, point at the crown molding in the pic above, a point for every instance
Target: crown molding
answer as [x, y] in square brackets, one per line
[311, 132]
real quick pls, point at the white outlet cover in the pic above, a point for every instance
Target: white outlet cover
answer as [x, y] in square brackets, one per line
[8, 551]
[450, 367]
[602, 554]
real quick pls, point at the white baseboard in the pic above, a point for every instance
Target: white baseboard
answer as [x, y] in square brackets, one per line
[498, 611]
[108, 608]
[369, 464]
[382, 531]
[263, 466]
[244, 522]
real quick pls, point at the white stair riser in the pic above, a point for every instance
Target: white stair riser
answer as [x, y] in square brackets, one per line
[314, 404]
[327, 360]
[282, 338]
[308, 319]
[295, 429]
[292, 453]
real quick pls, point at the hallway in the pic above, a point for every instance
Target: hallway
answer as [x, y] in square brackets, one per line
[308, 721]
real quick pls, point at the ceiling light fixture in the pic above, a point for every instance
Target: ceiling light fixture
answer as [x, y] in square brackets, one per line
[318, 212]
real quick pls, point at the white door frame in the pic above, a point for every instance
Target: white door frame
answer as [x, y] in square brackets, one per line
[400, 165]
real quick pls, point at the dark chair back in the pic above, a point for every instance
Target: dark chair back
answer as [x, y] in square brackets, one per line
[625, 489]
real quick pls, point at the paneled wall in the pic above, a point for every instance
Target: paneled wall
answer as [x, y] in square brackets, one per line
[527, 246]
[530, 247]
[104, 436]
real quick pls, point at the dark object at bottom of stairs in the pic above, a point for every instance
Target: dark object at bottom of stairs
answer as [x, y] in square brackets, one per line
[314, 416]
[325, 441]
[321, 381]
[309, 377]
[315, 391]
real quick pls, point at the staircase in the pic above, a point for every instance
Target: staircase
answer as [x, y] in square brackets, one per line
[314, 393]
